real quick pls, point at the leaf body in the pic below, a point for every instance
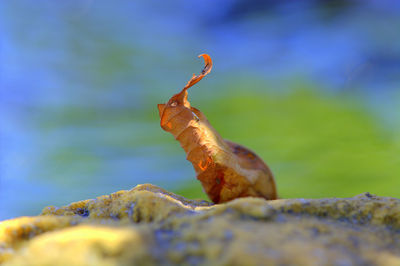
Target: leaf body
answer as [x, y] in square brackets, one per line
[225, 169]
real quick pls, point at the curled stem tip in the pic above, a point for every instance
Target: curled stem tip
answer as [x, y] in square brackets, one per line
[207, 69]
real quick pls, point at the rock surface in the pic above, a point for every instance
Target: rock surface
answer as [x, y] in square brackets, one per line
[150, 226]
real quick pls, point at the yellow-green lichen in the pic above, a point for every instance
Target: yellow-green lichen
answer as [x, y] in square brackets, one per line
[149, 226]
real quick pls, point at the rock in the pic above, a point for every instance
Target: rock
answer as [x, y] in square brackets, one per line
[150, 226]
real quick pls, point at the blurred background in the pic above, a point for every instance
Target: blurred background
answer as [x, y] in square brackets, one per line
[312, 86]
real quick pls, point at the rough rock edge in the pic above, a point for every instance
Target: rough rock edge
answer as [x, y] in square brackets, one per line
[361, 209]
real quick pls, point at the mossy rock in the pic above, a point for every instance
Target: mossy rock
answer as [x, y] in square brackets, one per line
[150, 226]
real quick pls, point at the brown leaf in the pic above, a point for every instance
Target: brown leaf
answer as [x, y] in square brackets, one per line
[225, 169]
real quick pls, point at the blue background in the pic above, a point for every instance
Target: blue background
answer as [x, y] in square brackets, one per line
[311, 86]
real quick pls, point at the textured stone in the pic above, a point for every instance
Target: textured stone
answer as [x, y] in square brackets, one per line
[150, 226]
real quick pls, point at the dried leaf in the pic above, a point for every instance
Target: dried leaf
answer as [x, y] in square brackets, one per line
[225, 169]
